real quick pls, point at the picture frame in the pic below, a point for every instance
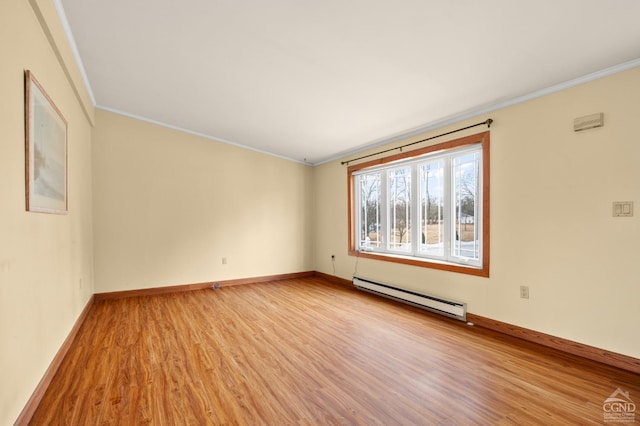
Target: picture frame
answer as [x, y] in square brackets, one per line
[45, 151]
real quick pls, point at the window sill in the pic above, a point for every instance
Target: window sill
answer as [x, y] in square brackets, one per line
[423, 263]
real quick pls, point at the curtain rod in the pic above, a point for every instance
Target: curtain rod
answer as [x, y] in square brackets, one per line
[488, 122]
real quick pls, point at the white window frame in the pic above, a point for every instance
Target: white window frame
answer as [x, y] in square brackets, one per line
[476, 264]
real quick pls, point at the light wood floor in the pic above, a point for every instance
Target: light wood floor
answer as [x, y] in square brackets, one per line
[311, 352]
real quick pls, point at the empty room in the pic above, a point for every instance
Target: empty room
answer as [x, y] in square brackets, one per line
[296, 212]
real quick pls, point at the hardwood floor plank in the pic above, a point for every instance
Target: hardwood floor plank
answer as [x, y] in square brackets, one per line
[307, 351]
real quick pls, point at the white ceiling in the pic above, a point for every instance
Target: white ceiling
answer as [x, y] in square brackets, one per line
[315, 80]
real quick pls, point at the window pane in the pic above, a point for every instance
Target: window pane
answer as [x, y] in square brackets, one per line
[370, 204]
[432, 208]
[466, 172]
[400, 209]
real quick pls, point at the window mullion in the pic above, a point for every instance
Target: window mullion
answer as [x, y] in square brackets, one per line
[415, 210]
[449, 226]
[357, 189]
[478, 209]
[384, 216]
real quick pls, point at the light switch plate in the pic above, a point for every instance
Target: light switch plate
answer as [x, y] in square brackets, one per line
[622, 208]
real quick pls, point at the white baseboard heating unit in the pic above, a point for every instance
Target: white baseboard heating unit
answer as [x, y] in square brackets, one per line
[450, 308]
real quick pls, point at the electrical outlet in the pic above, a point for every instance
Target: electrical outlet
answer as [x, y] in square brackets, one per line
[224, 260]
[333, 257]
[524, 292]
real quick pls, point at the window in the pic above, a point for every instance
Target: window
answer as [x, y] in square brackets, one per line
[428, 207]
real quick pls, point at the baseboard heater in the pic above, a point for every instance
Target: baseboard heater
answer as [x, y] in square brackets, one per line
[450, 308]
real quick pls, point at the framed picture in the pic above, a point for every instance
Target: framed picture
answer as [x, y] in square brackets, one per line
[46, 151]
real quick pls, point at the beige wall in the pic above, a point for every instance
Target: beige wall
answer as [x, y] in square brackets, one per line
[46, 271]
[170, 205]
[551, 220]
[167, 206]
